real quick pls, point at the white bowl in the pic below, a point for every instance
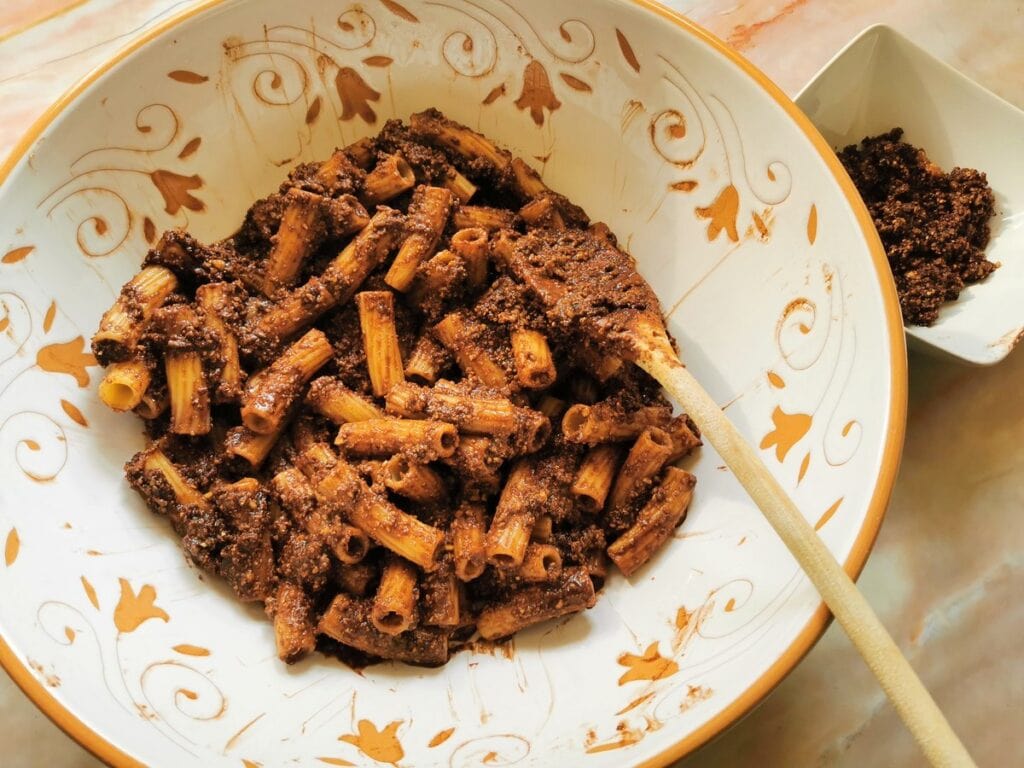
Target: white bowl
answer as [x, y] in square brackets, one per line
[738, 213]
[881, 80]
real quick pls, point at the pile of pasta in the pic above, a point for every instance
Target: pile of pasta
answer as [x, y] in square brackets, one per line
[359, 418]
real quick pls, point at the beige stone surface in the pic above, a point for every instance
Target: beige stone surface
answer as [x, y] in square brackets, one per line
[947, 573]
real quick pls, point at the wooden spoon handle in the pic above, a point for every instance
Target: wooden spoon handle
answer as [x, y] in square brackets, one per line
[911, 699]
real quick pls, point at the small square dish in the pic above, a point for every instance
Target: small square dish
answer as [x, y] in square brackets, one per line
[881, 80]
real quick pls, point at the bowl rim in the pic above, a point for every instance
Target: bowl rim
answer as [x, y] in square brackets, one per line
[892, 449]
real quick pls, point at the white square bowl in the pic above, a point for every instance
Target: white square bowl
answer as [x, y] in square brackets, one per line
[881, 80]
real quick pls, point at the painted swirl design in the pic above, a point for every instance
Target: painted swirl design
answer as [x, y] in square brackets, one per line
[37, 444]
[171, 687]
[15, 325]
[103, 178]
[471, 50]
[499, 750]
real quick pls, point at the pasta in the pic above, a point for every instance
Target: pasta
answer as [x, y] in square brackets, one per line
[361, 418]
[383, 357]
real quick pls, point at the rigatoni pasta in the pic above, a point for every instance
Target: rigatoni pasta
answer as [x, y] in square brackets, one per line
[361, 417]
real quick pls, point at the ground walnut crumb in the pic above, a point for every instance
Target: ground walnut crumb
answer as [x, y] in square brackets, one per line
[934, 225]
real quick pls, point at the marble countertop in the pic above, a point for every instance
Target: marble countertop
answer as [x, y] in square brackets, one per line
[947, 572]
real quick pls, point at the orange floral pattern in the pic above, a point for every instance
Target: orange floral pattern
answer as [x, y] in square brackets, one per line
[356, 95]
[177, 189]
[69, 357]
[381, 745]
[537, 93]
[649, 666]
[133, 610]
[722, 214]
[789, 430]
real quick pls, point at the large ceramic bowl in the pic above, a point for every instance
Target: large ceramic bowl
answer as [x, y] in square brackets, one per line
[772, 278]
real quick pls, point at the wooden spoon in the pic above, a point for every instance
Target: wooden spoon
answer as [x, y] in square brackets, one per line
[586, 284]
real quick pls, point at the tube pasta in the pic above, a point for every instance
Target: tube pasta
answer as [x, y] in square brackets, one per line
[543, 529]
[294, 628]
[338, 282]
[535, 367]
[541, 562]
[483, 217]
[389, 178]
[154, 401]
[441, 594]
[602, 423]
[414, 481]
[513, 521]
[301, 230]
[552, 407]
[187, 388]
[427, 360]
[125, 384]
[124, 322]
[380, 339]
[527, 180]
[457, 333]
[471, 245]
[297, 495]
[648, 455]
[215, 300]
[417, 438]
[307, 220]
[427, 217]
[359, 152]
[356, 579]
[542, 212]
[250, 446]
[403, 534]
[332, 399]
[595, 477]
[271, 392]
[155, 460]
[434, 128]
[656, 521]
[571, 592]
[477, 461]
[459, 185]
[469, 531]
[685, 437]
[475, 414]
[438, 278]
[347, 620]
[394, 605]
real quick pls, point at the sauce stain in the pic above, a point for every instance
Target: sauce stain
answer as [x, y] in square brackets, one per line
[694, 695]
